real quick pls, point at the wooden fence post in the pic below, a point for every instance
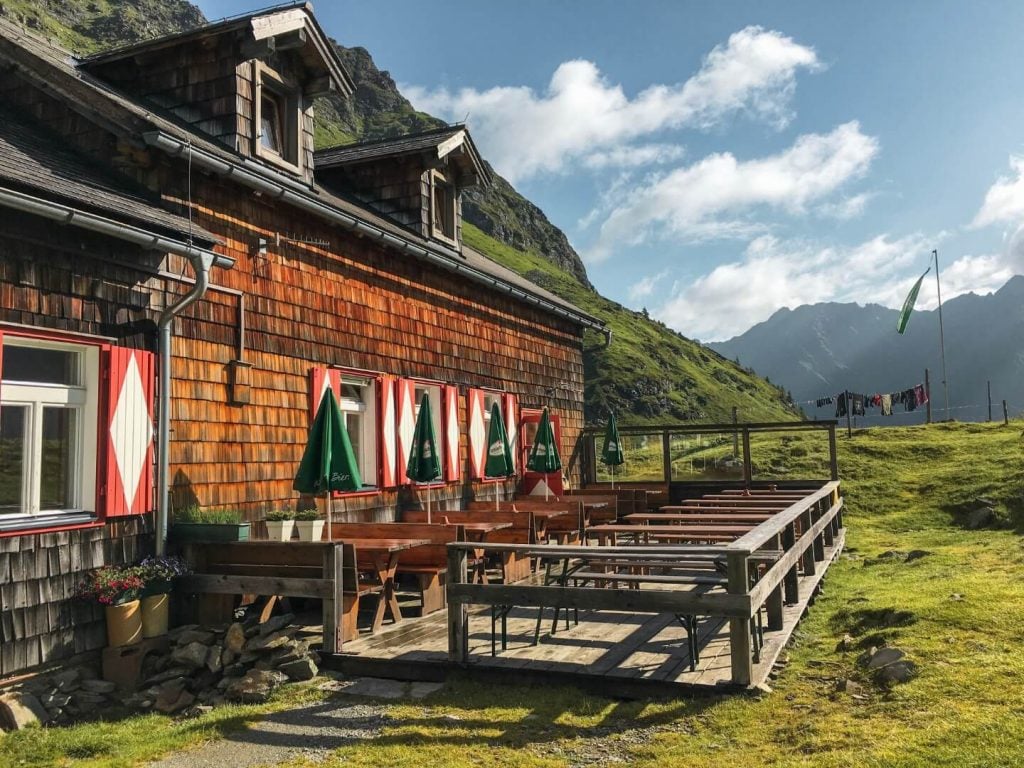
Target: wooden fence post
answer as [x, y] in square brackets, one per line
[989, 385]
[666, 458]
[739, 628]
[748, 466]
[458, 613]
[1006, 415]
[332, 606]
[735, 434]
[833, 452]
[849, 413]
[928, 398]
[792, 578]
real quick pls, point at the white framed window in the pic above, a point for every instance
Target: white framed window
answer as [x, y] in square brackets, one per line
[442, 209]
[277, 116]
[434, 393]
[358, 403]
[49, 405]
[490, 398]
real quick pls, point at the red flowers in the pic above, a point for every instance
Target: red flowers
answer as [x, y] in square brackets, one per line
[111, 585]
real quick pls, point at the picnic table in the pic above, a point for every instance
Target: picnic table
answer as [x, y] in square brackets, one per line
[698, 517]
[479, 531]
[383, 557]
[644, 533]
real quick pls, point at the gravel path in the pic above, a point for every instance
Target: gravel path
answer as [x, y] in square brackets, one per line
[311, 732]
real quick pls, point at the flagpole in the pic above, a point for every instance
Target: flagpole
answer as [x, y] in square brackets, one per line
[942, 337]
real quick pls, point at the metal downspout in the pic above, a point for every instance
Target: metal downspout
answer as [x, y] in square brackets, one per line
[201, 264]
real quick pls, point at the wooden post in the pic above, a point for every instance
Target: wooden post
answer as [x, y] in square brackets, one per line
[775, 604]
[666, 459]
[1006, 415]
[989, 385]
[818, 546]
[808, 556]
[849, 413]
[735, 434]
[748, 467]
[833, 453]
[332, 606]
[791, 580]
[739, 628]
[458, 613]
[928, 398]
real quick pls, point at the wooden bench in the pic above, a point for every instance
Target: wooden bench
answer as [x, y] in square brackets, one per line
[324, 570]
[626, 501]
[655, 494]
[565, 528]
[515, 567]
[426, 564]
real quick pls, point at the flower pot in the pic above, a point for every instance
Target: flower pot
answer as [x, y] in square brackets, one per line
[280, 530]
[161, 587]
[209, 532]
[310, 530]
[154, 615]
[124, 623]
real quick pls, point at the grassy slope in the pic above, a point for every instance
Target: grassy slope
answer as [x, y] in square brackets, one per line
[649, 374]
[966, 708]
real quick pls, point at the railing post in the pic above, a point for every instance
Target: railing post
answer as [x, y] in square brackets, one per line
[666, 458]
[333, 572]
[833, 454]
[748, 470]
[792, 578]
[739, 628]
[458, 613]
[591, 453]
[819, 541]
[775, 604]
[808, 555]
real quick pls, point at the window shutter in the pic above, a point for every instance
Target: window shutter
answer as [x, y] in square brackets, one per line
[1, 360]
[127, 432]
[452, 459]
[388, 458]
[477, 432]
[406, 416]
[512, 425]
[322, 378]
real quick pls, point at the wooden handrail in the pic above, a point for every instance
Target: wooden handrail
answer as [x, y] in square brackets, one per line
[769, 529]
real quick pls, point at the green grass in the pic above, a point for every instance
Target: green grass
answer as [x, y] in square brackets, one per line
[648, 374]
[905, 489]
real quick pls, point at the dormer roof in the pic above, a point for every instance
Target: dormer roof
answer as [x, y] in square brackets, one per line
[290, 27]
[452, 142]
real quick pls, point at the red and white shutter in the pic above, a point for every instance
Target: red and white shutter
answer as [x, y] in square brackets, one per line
[388, 435]
[322, 378]
[477, 432]
[127, 481]
[406, 425]
[512, 424]
[452, 460]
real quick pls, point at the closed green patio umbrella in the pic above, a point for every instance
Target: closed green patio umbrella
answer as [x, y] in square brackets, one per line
[612, 452]
[328, 463]
[544, 453]
[499, 454]
[423, 465]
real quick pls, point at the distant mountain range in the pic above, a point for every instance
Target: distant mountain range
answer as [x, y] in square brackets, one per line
[822, 349]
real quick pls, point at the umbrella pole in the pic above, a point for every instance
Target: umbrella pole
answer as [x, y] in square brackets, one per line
[547, 486]
[612, 467]
[330, 513]
[428, 506]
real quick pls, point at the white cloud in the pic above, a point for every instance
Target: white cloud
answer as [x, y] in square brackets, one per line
[634, 156]
[523, 132]
[847, 208]
[646, 285]
[1004, 201]
[714, 197]
[774, 273]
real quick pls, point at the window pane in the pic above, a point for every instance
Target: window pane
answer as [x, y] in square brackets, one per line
[354, 425]
[13, 419]
[56, 489]
[270, 123]
[351, 392]
[41, 365]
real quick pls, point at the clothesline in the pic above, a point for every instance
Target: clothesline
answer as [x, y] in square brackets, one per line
[856, 404]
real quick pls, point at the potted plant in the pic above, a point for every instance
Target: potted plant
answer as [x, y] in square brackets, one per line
[280, 524]
[117, 589]
[195, 524]
[158, 575]
[309, 525]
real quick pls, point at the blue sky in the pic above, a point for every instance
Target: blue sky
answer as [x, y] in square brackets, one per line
[716, 161]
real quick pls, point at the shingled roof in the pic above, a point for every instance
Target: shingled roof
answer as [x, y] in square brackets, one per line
[33, 161]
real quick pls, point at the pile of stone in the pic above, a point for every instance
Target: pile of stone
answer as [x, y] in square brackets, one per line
[202, 667]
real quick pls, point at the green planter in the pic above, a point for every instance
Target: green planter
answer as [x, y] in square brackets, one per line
[207, 532]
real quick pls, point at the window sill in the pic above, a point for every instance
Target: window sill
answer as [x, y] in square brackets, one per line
[356, 494]
[48, 524]
[494, 480]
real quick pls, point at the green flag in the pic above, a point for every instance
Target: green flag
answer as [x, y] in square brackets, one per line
[908, 305]
[544, 453]
[423, 465]
[499, 454]
[612, 452]
[328, 463]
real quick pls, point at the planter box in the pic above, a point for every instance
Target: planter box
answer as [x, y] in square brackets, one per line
[195, 532]
[280, 530]
[310, 530]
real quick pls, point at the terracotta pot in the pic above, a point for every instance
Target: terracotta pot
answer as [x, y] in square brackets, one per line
[280, 530]
[154, 615]
[310, 530]
[124, 623]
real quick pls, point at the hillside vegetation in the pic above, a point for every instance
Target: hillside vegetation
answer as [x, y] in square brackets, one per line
[647, 374]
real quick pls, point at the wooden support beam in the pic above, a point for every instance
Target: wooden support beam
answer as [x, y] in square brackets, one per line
[458, 613]
[739, 627]
[332, 605]
[792, 578]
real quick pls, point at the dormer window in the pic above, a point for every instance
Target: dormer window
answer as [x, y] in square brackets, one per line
[443, 209]
[277, 119]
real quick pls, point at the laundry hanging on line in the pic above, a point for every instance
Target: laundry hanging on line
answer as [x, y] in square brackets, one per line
[911, 399]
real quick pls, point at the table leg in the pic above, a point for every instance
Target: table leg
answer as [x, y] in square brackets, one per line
[386, 565]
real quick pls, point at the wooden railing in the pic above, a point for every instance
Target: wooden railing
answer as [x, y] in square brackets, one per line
[820, 519]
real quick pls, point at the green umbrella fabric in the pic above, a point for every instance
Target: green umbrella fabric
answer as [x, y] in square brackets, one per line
[328, 463]
[499, 453]
[612, 453]
[544, 453]
[423, 465]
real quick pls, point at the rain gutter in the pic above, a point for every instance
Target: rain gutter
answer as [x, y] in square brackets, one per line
[280, 187]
